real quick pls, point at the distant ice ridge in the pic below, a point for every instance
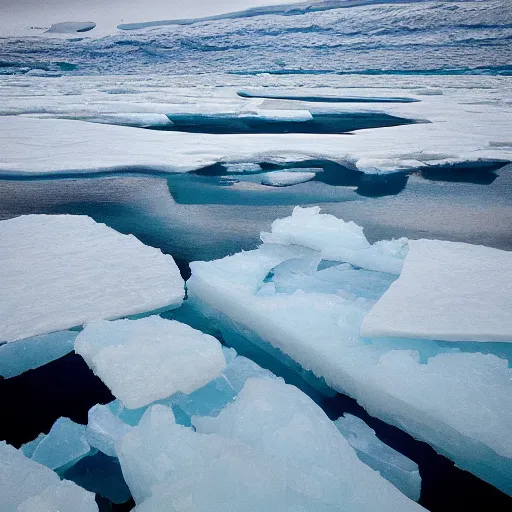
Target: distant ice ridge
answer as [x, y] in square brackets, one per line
[306, 291]
[392, 465]
[271, 449]
[26, 486]
[62, 271]
[447, 291]
[149, 359]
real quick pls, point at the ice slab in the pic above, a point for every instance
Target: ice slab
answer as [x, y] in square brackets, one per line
[456, 399]
[62, 271]
[145, 360]
[286, 178]
[26, 486]
[104, 429]
[137, 119]
[29, 448]
[336, 240]
[274, 450]
[30, 353]
[402, 472]
[447, 291]
[64, 445]
[70, 27]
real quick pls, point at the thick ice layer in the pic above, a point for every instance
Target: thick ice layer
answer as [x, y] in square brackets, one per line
[64, 445]
[447, 291]
[145, 360]
[459, 401]
[16, 358]
[138, 119]
[26, 486]
[392, 465]
[272, 449]
[286, 178]
[62, 271]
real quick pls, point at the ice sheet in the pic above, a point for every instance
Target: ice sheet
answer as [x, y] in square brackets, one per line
[61, 271]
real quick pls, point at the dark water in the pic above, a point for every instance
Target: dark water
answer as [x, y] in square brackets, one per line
[208, 216]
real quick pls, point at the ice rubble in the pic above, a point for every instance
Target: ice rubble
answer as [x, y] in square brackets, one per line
[26, 486]
[17, 358]
[286, 178]
[392, 465]
[447, 291]
[149, 359]
[286, 295]
[61, 271]
[272, 449]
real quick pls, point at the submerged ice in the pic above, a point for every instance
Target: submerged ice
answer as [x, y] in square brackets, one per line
[306, 291]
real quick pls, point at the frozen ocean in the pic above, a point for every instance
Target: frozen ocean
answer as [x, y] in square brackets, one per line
[256, 256]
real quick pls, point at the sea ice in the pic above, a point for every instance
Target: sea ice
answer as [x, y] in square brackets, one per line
[70, 27]
[145, 360]
[30, 353]
[272, 449]
[456, 399]
[26, 486]
[64, 445]
[447, 291]
[62, 271]
[286, 178]
[392, 465]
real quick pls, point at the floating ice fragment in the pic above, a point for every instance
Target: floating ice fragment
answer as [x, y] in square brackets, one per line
[447, 291]
[149, 359]
[392, 465]
[62, 271]
[64, 445]
[286, 178]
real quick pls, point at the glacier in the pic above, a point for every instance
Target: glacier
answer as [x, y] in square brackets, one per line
[26, 486]
[318, 327]
[149, 359]
[61, 271]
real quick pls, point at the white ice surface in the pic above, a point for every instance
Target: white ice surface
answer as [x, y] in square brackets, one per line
[286, 178]
[149, 359]
[26, 486]
[392, 465]
[61, 271]
[16, 358]
[467, 123]
[272, 449]
[447, 291]
[458, 400]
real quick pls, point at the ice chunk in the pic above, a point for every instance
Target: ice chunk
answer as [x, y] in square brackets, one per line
[447, 291]
[145, 360]
[136, 119]
[456, 399]
[104, 429]
[286, 178]
[61, 271]
[392, 465]
[16, 358]
[242, 168]
[64, 445]
[29, 448]
[336, 240]
[167, 465]
[25, 484]
[66, 496]
[70, 27]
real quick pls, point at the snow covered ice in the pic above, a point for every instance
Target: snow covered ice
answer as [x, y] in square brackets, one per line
[392, 465]
[286, 178]
[62, 271]
[145, 360]
[447, 291]
[457, 400]
[272, 449]
[26, 486]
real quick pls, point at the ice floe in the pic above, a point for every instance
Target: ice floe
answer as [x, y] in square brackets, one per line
[286, 178]
[149, 359]
[62, 271]
[26, 486]
[447, 291]
[274, 448]
[290, 300]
